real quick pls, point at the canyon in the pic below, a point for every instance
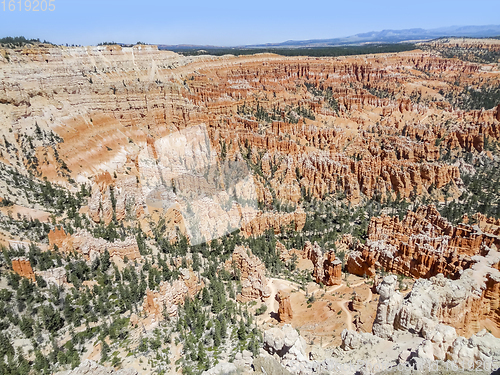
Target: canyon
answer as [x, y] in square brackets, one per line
[239, 176]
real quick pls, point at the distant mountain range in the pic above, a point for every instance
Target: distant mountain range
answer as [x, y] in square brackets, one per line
[384, 36]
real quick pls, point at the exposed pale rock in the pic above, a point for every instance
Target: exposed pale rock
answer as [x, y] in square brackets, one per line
[88, 367]
[482, 346]
[19, 245]
[437, 342]
[267, 365]
[222, 368]
[286, 342]
[55, 276]
[352, 340]
[480, 352]
[460, 303]
[389, 305]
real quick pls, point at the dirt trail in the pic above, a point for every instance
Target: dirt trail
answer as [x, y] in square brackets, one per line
[343, 306]
[176, 354]
[334, 288]
[370, 296]
[358, 284]
[274, 286]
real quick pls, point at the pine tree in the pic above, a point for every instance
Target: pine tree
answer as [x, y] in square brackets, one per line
[217, 334]
[205, 297]
[104, 351]
[105, 260]
[242, 330]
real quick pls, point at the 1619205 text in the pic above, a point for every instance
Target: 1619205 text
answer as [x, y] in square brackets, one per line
[28, 5]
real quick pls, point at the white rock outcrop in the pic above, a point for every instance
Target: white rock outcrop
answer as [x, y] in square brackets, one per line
[389, 305]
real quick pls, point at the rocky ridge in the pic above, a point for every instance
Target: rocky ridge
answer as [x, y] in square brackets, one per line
[84, 243]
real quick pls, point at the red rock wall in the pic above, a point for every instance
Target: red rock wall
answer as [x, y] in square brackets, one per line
[23, 268]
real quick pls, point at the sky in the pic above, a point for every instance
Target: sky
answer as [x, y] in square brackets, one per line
[230, 23]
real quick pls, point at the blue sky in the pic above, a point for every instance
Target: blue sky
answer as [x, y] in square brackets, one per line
[234, 22]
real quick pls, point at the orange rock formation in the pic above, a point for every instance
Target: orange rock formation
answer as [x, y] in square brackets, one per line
[285, 313]
[275, 221]
[22, 267]
[327, 268]
[372, 137]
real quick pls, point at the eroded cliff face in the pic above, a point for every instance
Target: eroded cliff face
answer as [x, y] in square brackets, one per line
[209, 145]
[457, 268]
[116, 198]
[421, 245]
[466, 304]
[368, 125]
